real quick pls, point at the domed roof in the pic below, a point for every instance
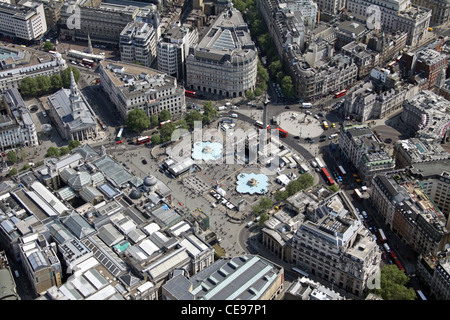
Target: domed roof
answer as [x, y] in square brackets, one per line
[135, 194]
[150, 181]
[79, 180]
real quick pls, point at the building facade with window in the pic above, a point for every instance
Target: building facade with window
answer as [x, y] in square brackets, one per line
[130, 86]
[137, 43]
[225, 60]
[17, 128]
[334, 245]
[24, 21]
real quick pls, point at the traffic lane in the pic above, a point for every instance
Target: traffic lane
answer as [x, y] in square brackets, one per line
[102, 105]
[289, 140]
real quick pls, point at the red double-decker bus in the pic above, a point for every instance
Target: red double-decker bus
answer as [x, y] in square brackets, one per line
[164, 122]
[381, 236]
[340, 93]
[358, 195]
[191, 94]
[87, 62]
[142, 140]
[327, 176]
[283, 133]
[396, 260]
[259, 124]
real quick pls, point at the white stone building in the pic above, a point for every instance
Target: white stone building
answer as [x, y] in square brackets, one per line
[225, 60]
[130, 86]
[17, 128]
[137, 43]
[336, 246]
[25, 21]
[172, 50]
[18, 64]
[396, 15]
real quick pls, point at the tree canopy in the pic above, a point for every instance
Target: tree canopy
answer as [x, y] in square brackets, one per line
[393, 283]
[65, 76]
[47, 84]
[12, 157]
[165, 115]
[137, 120]
[48, 46]
[166, 131]
[153, 121]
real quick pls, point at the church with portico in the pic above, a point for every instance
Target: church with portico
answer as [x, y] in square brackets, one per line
[71, 113]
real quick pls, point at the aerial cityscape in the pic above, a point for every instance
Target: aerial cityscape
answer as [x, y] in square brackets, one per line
[225, 150]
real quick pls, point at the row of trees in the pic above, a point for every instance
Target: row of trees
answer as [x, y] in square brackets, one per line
[47, 84]
[138, 121]
[303, 182]
[261, 209]
[260, 33]
[57, 152]
[285, 81]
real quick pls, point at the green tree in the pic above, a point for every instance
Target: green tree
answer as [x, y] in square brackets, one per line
[293, 187]
[275, 67]
[48, 46]
[209, 109]
[12, 157]
[191, 117]
[280, 76]
[44, 84]
[63, 151]
[156, 139]
[153, 121]
[52, 152]
[287, 87]
[137, 120]
[263, 75]
[393, 284]
[240, 5]
[258, 91]
[56, 81]
[12, 172]
[263, 218]
[334, 188]
[264, 40]
[249, 95]
[28, 86]
[25, 167]
[266, 203]
[166, 131]
[74, 144]
[306, 180]
[257, 210]
[164, 115]
[65, 76]
[281, 195]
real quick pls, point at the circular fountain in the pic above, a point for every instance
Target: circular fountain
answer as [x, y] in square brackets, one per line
[252, 183]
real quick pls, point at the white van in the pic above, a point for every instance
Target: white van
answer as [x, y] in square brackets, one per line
[332, 136]
[234, 115]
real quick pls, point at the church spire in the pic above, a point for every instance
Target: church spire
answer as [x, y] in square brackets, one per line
[90, 50]
[73, 85]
